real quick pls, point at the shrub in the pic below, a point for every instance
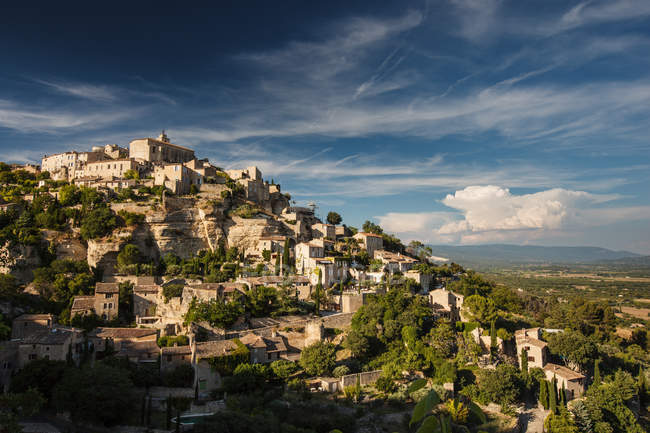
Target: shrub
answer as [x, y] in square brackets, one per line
[341, 371]
[172, 291]
[171, 341]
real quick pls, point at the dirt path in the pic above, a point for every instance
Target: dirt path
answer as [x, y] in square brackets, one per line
[532, 419]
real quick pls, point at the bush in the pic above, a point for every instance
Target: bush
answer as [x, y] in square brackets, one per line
[181, 376]
[171, 341]
[341, 371]
[386, 385]
[318, 359]
[172, 291]
[283, 368]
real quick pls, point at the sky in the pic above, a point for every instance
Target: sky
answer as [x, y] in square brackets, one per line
[451, 121]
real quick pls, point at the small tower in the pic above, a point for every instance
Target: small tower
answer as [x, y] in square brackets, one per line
[163, 137]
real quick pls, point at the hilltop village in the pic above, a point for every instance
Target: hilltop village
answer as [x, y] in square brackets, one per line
[183, 287]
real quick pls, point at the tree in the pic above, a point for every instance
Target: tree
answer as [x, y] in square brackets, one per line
[15, 406]
[560, 423]
[318, 359]
[480, 309]
[370, 227]
[40, 374]
[102, 394]
[286, 256]
[597, 379]
[552, 395]
[493, 338]
[357, 344]
[283, 368]
[131, 174]
[443, 339]
[543, 393]
[69, 195]
[128, 256]
[334, 218]
[524, 364]
[99, 222]
[576, 350]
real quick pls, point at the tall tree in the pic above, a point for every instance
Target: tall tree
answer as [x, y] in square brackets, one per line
[524, 364]
[277, 264]
[543, 393]
[493, 338]
[334, 218]
[552, 395]
[597, 378]
[286, 256]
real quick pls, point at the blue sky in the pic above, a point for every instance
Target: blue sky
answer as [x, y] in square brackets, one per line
[457, 121]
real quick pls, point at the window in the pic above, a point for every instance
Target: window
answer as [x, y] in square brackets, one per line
[169, 358]
[32, 356]
[47, 348]
[109, 295]
[104, 304]
[110, 305]
[531, 358]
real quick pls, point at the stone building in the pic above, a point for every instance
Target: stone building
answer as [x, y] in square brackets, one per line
[106, 169]
[370, 242]
[424, 280]
[55, 344]
[202, 167]
[321, 230]
[530, 340]
[446, 304]
[63, 166]
[136, 344]
[353, 300]
[264, 349]
[105, 302]
[159, 150]
[27, 324]
[574, 382]
[177, 177]
[8, 363]
[255, 189]
[395, 262]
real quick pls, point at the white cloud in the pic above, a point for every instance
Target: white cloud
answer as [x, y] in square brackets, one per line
[492, 213]
[82, 90]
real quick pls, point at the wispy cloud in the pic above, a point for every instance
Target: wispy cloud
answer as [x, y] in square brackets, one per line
[85, 91]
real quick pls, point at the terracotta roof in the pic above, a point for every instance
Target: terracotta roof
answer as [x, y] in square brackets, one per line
[122, 332]
[51, 337]
[368, 234]
[83, 303]
[176, 350]
[563, 372]
[532, 342]
[209, 349]
[155, 288]
[107, 288]
[34, 317]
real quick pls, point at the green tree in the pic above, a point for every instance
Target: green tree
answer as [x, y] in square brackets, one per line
[101, 394]
[480, 309]
[552, 395]
[597, 379]
[14, 406]
[357, 344]
[560, 423]
[318, 359]
[334, 218]
[370, 227]
[286, 256]
[40, 374]
[443, 339]
[283, 368]
[132, 174]
[128, 257]
[543, 393]
[98, 222]
[576, 350]
[524, 364]
[69, 195]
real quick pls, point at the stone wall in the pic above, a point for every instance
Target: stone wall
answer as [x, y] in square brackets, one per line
[339, 321]
[365, 378]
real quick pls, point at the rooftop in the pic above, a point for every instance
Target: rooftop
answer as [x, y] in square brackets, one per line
[563, 372]
[50, 337]
[122, 332]
[107, 288]
[35, 317]
[82, 303]
[209, 349]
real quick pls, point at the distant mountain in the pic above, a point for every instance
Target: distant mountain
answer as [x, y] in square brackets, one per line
[495, 254]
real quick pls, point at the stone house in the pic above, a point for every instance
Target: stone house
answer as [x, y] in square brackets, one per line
[395, 262]
[322, 230]
[264, 349]
[54, 344]
[306, 255]
[105, 302]
[112, 184]
[177, 177]
[255, 188]
[446, 304]
[485, 341]
[351, 301]
[145, 299]
[343, 231]
[136, 344]
[202, 167]
[27, 324]
[159, 150]
[272, 243]
[106, 169]
[297, 282]
[424, 280]
[530, 340]
[574, 382]
[63, 166]
[370, 242]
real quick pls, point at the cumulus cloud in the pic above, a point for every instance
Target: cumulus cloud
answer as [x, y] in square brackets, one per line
[491, 207]
[493, 213]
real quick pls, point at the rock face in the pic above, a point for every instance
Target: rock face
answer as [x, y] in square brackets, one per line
[19, 260]
[184, 226]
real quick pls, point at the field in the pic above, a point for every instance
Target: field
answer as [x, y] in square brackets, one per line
[627, 288]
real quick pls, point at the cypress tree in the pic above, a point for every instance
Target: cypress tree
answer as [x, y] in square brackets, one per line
[277, 264]
[524, 364]
[543, 393]
[319, 289]
[563, 395]
[597, 378]
[286, 257]
[642, 384]
[552, 396]
[493, 339]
